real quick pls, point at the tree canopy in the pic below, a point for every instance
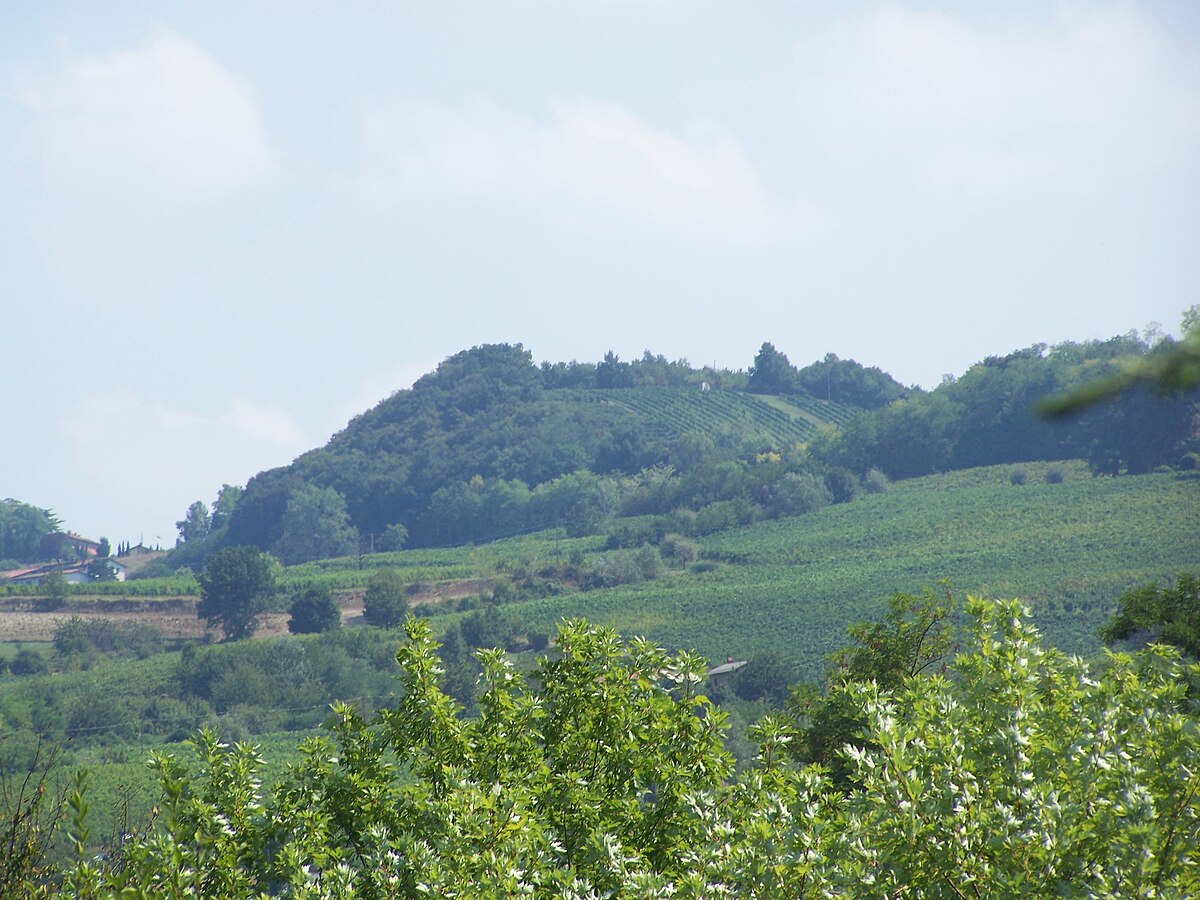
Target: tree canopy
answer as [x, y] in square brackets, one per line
[236, 587]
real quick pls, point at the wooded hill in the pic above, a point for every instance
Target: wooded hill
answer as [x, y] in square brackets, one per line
[491, 445]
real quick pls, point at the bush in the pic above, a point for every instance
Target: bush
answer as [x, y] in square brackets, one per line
[678, 549]
[314, 611]
[629, 533]
[841, 484]
[1054, 475]
[29, 662]
[875, 482]
[799, 493]
[1018, 476]
[649, 562]
[78, 638]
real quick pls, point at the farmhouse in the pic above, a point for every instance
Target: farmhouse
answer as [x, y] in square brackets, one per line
[74, 574]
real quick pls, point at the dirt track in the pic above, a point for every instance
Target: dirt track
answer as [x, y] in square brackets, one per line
[176, 617]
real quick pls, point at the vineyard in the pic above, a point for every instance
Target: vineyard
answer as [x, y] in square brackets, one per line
[793, 585]
[671, 410]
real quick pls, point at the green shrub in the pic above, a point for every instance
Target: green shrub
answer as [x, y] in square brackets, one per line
[29, 662]
[386, 602]
[678, 549]
[314, 610]
[875, 482]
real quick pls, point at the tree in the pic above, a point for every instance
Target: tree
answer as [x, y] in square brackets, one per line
[314, 610]
[394, 538]
[235, 589]
[612, 373]
[105, 548]
[914, 637]
[771, 372]
[100, 569]
[385, 603]
[1173, 367]
[315, 526]
[195, 525]
[225, 504]
[1168, 614]
[23, 529]
[56, 588]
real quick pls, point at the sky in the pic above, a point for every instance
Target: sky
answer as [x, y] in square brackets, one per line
[229, 227]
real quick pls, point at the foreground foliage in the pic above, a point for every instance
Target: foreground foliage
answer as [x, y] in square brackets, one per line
[1017, 772]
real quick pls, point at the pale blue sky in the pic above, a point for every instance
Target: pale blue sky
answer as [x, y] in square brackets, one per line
[230, 226]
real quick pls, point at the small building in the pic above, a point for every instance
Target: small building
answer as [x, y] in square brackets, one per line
[74, 574]
[728, 667]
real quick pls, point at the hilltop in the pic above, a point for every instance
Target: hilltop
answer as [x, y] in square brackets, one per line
[490, 445]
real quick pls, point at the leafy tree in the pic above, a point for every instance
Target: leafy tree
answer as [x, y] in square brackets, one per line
[22, 530]
[236, 587]
[105, 548]
[226, 503]
[914, 637]
[1019, 773]
[1170, 614]
[394, 537]
[768, 676]
[100, 569]
[316, 526]
[385, 603]
[195, 525]
[771, 372]
[798, 493]
[612, 373]
[841, 483]
[314, 610]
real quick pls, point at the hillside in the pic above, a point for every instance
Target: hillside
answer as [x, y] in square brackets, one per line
[490, 445]
[490, 426]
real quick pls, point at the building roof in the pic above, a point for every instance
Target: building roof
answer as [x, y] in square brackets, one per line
[727, 667]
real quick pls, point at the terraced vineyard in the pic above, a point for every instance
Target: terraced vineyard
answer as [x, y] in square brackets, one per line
[675, 410]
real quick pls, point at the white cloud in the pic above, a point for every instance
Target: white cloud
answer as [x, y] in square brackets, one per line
[594, 168]
[157, 459]
[160, 123]
[1091, 94]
